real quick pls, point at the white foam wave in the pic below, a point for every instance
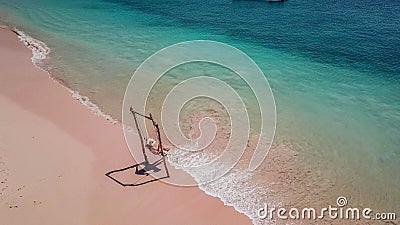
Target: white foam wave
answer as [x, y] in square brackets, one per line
[39, 49]
[39, 53]
[84, 100]
[235, 188]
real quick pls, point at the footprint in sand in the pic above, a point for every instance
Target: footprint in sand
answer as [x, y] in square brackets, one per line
[37, 202]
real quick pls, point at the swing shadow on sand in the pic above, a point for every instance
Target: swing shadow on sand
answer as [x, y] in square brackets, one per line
[136, 175]
[141, 173]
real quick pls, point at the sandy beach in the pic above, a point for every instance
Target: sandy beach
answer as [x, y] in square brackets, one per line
[54, 154]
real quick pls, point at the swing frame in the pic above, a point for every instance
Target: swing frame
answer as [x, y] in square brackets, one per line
[156, 126]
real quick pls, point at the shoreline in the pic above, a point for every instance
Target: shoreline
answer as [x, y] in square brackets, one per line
[40, 51]
[55, 154]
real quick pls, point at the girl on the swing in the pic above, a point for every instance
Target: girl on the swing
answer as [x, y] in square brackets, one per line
[152, 145]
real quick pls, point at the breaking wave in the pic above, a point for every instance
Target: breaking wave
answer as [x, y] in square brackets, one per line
[39, 49]
[236, 188]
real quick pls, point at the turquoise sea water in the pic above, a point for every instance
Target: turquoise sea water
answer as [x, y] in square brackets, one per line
[334, 68]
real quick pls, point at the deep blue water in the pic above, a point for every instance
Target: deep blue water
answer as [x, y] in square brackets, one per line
[360, 34]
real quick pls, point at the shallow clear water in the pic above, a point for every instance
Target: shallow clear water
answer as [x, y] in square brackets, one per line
[334, 68]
